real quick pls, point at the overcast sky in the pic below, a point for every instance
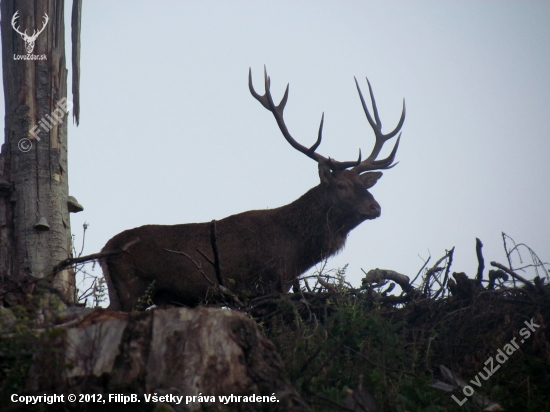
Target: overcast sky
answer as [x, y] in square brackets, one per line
[170, 134]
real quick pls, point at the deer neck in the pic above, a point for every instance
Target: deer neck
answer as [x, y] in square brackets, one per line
[321, 227]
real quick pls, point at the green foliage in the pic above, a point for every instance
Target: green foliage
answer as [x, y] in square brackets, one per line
[146, 300]
[24, 342]
[17, 347]
[397, 352]
[354, 340]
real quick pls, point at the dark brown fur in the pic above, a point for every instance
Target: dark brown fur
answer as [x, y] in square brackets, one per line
[260, 250]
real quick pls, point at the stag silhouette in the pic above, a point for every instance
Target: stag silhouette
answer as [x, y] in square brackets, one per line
[261, 251]
[29, 40]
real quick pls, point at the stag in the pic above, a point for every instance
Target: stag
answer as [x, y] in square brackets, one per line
[260, 251]
[29, 40]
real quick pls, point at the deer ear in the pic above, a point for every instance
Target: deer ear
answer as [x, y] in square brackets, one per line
[325, 174]
[370, 179]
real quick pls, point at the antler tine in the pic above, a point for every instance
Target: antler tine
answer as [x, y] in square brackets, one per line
[386, 163]
[267, 101]
[344, 165]
[13, 22]
[374, 107]
[46, 19]
[319, 135]
[370, 163]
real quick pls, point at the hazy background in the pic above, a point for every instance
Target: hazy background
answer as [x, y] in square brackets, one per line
[170, 134]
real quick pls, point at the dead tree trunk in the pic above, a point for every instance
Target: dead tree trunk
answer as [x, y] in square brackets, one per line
[35, 231]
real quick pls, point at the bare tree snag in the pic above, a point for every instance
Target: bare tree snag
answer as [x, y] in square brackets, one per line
[35, 231]
[76, 18]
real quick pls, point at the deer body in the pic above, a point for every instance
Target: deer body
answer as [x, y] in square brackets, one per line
[260, 251]
[29, 40]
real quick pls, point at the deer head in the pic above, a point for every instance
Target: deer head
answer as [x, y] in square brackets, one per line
[29, 40]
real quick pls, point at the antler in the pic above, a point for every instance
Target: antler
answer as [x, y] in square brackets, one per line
[267, 101]
[13, 19]
[47, 19]
[34, 33]
[370, 163]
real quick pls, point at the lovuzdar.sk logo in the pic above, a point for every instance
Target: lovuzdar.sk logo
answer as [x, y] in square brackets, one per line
[29, 40]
